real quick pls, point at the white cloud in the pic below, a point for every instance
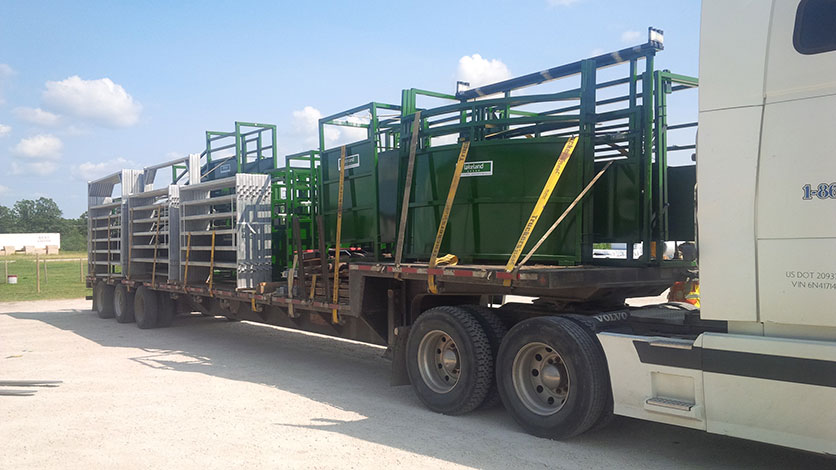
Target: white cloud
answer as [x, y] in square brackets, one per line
[5, 130]
[4, 189]
[100, 101]
[40, 147]
[6, 71]
[305, 124]
[630, 36]
[40, 168]
[305, 129]
[561, 3]
[479, 71]
[37, 116]
[89, 171]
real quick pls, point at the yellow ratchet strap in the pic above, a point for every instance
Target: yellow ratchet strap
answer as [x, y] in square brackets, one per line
[559, 166]
[445, 216]
[334, 316]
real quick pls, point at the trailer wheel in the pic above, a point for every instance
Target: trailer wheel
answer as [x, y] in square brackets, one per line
[495, 330]
[123, 304]
[449, 360]
[103, 294]
[145, 308]
[166, 309]
[552, 376]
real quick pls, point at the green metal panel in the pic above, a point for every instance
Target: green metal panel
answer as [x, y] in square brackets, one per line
[682, 181]
[388, 176]
[616, 210]
[491, 210]
[360, 195]
[293, 195]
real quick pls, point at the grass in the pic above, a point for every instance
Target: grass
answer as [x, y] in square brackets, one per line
[61, 281]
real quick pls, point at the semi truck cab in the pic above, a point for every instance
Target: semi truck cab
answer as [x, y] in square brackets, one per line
[766, 166]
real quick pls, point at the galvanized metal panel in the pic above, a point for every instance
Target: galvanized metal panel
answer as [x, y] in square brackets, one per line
[237, 209]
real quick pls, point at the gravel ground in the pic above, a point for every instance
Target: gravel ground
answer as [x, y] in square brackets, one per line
[207, 393]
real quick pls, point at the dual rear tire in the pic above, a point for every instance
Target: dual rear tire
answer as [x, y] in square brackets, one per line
[553, 379]
[103, 300]
[145, 308]
[148, 308]
[123, 304]
[549, 372]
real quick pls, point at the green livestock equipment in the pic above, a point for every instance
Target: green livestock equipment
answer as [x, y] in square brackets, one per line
[363, 204]
[293, 196]
[616, 104]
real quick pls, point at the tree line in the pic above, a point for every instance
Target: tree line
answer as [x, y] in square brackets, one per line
[43, 215]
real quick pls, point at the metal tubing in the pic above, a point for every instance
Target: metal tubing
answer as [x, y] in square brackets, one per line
[603, 60]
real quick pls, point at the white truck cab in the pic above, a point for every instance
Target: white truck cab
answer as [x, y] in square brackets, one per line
[766, 177]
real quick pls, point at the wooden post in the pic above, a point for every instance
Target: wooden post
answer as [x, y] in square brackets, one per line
[323, 256]
[46, 272]
[297, 239]
[38, 271]
[6, 279]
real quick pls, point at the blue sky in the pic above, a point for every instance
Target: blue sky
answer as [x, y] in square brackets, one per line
[87, 87]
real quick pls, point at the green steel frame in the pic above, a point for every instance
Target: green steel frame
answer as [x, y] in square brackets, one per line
[249, 142]
[294, 194]
[666, 83]
[628, 126]
[378, 138]
[239, 140]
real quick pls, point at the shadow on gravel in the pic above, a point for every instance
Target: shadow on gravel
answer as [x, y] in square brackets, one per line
[354, 377]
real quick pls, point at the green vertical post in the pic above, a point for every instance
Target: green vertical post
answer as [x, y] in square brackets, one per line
[274, 146]
[238, 155]
[208, 148]
[373, 136]
[587, 154]
[660, 132]
[635, 141]
[647, 154]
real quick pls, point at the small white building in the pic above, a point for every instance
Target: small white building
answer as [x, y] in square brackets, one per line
[37, 241]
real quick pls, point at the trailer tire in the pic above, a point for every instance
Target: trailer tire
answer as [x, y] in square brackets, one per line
[449, 360]
[104, 299]
[166, 309]
[145, 308]
[123, 304]
[495, 330]
[553, 378]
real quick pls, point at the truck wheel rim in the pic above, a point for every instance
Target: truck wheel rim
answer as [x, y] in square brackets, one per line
[117, 302]
[540, 379]
[439, 361]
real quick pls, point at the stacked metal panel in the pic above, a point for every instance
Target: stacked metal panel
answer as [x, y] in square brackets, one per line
[225, 233]
[153, 241]
[106, 217]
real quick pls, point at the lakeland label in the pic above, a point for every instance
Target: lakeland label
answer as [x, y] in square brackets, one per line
[478, 169]
[352, 161]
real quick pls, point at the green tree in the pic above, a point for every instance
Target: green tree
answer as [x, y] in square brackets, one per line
[74, 235]
[7, 220]
[43, 215]
[40, 215]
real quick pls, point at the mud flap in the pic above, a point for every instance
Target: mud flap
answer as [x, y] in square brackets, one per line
[399, 375]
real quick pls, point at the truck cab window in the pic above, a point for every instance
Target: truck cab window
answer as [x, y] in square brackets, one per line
[815, 27]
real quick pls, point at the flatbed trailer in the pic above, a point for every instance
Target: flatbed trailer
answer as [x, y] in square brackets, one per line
[383, 298]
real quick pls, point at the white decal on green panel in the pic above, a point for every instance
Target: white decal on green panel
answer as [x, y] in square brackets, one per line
[352, 161]
[478, 168]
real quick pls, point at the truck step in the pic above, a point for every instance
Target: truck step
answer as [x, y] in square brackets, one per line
[671, 403]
